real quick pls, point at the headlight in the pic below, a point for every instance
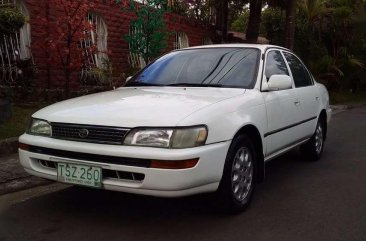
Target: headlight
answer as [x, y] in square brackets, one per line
[39, 127]
[149, 137]
[168, 137]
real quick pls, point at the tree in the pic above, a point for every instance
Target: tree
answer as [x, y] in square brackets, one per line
[255, 11]
[273, 25]
[290, 23]
[61, 42]
[224, 6]
[241, 22]
[290, 6]
[148, 36]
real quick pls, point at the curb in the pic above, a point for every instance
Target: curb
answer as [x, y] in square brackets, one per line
[340, 108]
[22, 183]
[8, 146]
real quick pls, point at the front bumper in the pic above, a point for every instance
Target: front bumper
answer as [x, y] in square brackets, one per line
[204, 177]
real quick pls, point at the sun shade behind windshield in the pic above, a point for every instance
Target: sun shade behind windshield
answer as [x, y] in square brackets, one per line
[227, 67]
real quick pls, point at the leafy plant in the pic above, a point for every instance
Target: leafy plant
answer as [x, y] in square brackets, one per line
[11, 20]
[64, 33]
[148, 36]
[241, 22]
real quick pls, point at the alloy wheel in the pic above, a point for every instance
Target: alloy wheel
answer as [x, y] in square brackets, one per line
[242, 174]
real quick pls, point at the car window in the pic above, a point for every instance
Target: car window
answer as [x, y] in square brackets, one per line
[275, 64]
[299, 73]
[227, 67]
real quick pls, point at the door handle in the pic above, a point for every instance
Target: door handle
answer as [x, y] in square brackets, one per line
[297, 102]
[317, 98]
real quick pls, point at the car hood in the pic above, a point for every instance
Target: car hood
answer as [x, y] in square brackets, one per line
[132, 107]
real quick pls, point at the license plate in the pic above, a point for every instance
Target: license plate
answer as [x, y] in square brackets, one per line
[79, 174]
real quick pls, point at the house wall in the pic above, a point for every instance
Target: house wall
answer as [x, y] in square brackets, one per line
[118, 24]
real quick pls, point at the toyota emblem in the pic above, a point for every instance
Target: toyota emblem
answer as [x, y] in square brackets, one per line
[83, 133]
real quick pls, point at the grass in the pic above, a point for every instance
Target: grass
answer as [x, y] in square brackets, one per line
[18, 122]
[344, 97]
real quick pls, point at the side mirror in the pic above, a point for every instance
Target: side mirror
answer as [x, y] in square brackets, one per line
[279, 82]
[128, 78]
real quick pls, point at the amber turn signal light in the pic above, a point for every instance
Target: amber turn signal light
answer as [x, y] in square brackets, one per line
[173, 164]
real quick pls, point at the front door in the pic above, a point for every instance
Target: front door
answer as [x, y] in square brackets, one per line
[282, 108]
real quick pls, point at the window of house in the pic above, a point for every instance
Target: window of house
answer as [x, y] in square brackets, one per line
[181, 40]
[299, 73]
[98, 37]
[136, 60]
[14, 46]
[24, 33]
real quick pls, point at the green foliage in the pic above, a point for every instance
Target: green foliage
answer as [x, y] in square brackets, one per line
[241, 22]
[238, 8]
[194, 9]
[148, 36]
[273, 25]
[330, 37]
[18, 122]
[11, 20]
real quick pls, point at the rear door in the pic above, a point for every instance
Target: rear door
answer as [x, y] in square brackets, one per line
[281, 106]
[307, 93]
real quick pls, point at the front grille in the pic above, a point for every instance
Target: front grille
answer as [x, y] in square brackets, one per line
[126, 161]
[88, 133]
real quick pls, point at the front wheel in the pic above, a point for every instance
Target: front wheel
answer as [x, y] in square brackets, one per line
[239, 177]
[313, 149]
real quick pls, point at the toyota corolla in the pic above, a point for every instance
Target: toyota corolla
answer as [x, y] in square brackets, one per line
[196, 120]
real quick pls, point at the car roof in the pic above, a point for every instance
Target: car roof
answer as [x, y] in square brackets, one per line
[262, 47]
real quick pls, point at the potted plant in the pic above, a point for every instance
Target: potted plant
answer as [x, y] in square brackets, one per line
[11, 20]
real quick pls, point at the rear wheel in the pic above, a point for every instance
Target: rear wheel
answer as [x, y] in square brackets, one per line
[239, 177]
[313, 149]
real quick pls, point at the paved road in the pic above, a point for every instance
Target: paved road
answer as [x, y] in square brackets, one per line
[13, 177]
[299, 200]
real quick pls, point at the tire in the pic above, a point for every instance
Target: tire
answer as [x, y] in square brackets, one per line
[238, 182]
[313, 149]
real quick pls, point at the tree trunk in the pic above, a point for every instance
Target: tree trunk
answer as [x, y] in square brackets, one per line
[290, 24]
[255, 12]
[222, 11]
[225, 13]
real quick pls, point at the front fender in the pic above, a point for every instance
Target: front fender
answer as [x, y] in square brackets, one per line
[226, 118]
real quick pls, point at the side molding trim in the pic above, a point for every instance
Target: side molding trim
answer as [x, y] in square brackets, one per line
[288, 127]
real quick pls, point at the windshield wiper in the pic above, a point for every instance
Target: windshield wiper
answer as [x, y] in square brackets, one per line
[194, 85]
[139, 83]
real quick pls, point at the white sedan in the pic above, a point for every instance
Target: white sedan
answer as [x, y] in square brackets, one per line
[201, 119]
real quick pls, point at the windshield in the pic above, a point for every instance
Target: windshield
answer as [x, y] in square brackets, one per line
[219, 67]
